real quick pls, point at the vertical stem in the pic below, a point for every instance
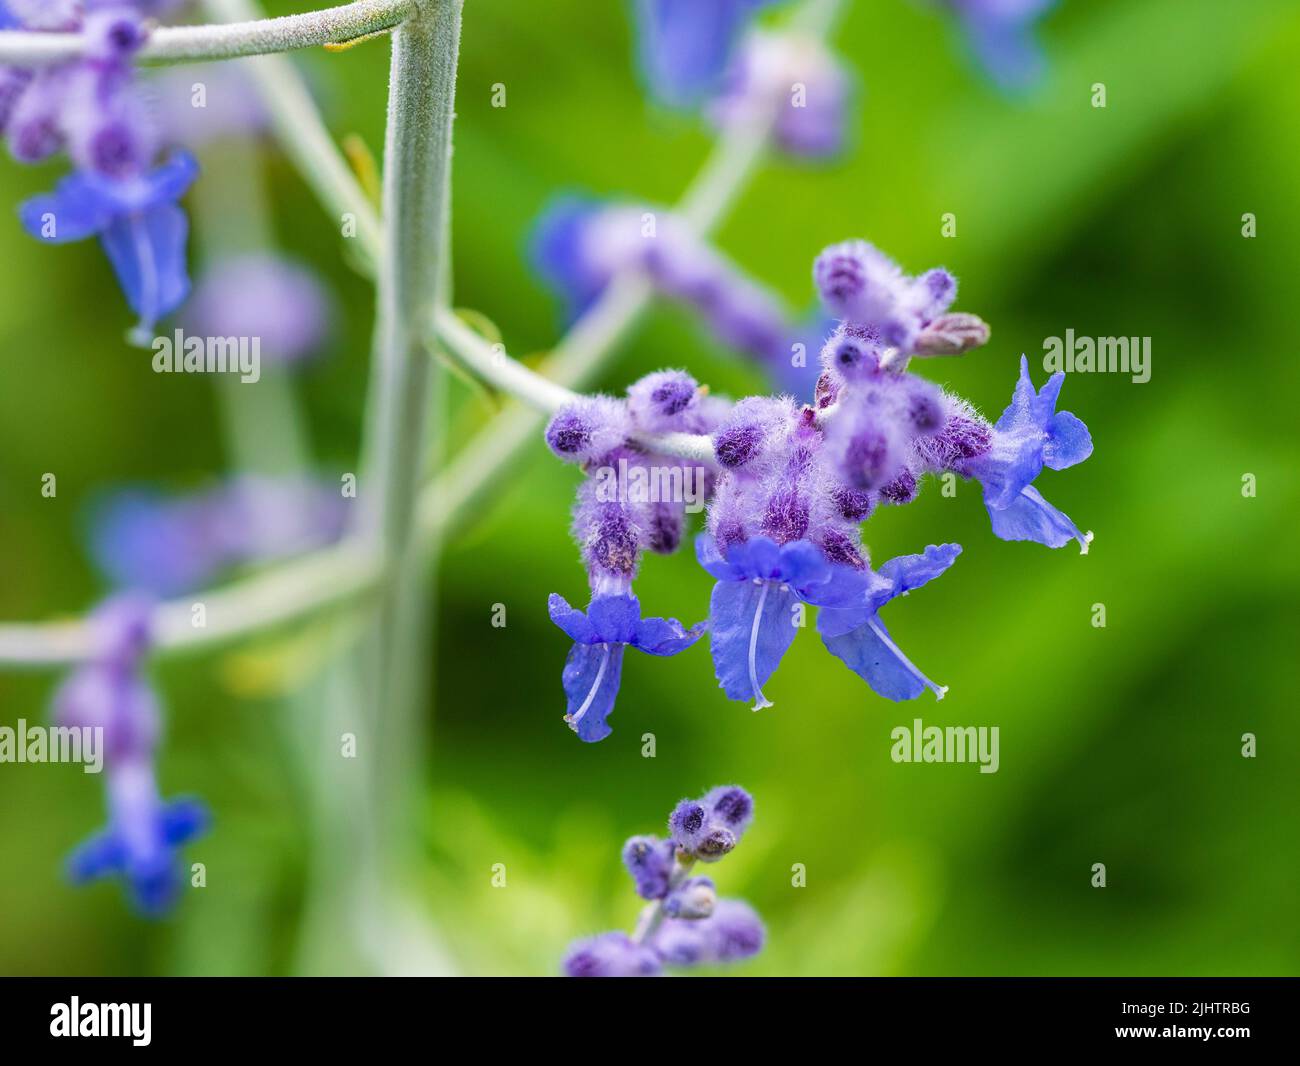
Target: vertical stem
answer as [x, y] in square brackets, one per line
[411, 281]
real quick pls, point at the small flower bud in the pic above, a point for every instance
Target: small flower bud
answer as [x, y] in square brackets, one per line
[610, 955]
[664, 402]
[693, 899]
[716, 842]
[732, 806]
[588, 429]
[952, 334]
[650, 862]
[688, 824]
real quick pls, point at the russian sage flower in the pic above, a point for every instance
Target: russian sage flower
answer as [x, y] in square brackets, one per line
[630, 501]
[684, 923]
[281, 303]
[93, 108]
[144, 833]
[856, 636]
[686, 46]
[141, 539]
[1008, 456]
[799, 82]
[1001, 34]
[791, 485]
[579, 246]
[594, 667]
[862, 285]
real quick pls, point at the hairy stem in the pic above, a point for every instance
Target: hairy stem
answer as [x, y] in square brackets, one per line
[417, 174]
[178, 44]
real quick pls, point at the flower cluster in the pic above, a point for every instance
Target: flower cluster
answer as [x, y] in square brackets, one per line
[791, 486]
[92, 108]
[684, 923]
[169, 546]
[140, 843]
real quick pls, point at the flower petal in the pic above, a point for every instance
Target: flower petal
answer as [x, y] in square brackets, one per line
[571, 620]
[1030, 517]
[147, 251]
[591, 678]
[614, 618]
[708, 556]
[75, 210]
[870, 653]
[665, 636]
[752, 625]
[1068, 441]
[908, 572]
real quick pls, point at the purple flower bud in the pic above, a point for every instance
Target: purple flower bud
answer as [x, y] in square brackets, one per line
[34, 129]
[664, 402]
[952, 334]
[853, 353]
[731, 806]
[809, 89]
[734, 931]
[862, 285]
[965, 436]
[688, 823]
[693, 899]
[753, 425]
[113, 34]
[610, 955]
[610, 539]
[109, 130]
[13, 83]
[275, 300]
[853, 504]
[866, 450]
[841, 546]
[650, 862]
[714, 843]
[924, 406]
[588, 429]
[901, 490]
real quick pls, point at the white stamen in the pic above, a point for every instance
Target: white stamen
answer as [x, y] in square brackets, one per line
[939, 690]
[760, 701]
[574, 719]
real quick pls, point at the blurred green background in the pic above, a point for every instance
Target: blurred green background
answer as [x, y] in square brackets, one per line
[1118, 745]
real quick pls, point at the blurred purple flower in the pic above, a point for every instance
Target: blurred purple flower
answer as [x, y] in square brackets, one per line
[281, 302]
[169, 546]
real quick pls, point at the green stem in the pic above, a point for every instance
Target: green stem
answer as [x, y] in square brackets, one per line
[417, 170]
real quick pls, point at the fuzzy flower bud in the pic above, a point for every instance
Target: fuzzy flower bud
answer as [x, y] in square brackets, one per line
[666, 401]
[610, 955]
[588, 429]
[650, 862]
[693, 899]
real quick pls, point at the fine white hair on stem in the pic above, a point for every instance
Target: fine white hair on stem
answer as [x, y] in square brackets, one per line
[229, 40]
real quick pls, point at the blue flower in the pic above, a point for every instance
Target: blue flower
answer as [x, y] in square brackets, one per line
[1031, 434]
[138, 222]
[857, 637]
[751, 610]
[687, 45]
[142, 839]
[1001, 33]
[593, 668]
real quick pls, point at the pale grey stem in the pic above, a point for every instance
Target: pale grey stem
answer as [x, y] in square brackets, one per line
[176, 44]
